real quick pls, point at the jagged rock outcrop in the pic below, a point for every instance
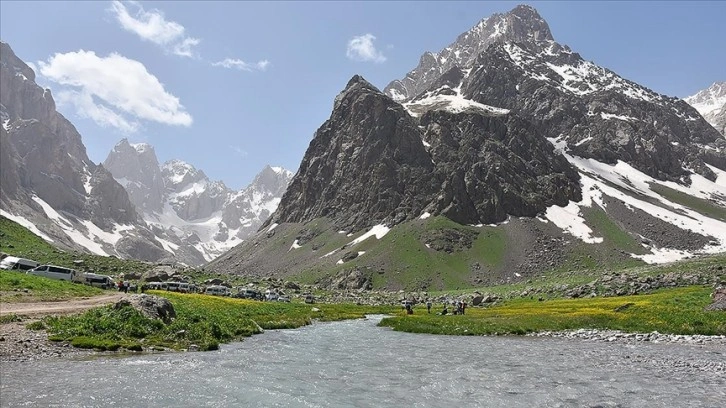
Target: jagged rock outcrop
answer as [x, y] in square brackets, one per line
[521, 25]
[141, 176]
[373, 162]
[367, 162]
[711, 104]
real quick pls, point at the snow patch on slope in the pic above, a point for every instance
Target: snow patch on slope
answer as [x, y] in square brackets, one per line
[569, 219]
[379, 231]
[598, 179]
[25, 223]
[451, 103]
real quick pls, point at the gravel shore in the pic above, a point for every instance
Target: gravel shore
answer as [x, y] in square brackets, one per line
[18, 343]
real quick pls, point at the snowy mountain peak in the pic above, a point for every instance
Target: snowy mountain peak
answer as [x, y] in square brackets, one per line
[709, 99]
[142, 147]
[125, 147]
[711, 104]
[179, 172]
[272, 180]
[522, 25]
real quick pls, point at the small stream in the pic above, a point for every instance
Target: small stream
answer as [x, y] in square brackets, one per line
[357, 364]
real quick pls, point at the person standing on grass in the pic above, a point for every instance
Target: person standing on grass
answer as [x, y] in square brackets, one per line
[428, 305]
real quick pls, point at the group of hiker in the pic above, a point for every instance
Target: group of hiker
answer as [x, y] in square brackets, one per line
[458, 306]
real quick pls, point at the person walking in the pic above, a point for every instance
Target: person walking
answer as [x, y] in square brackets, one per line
[428, 305]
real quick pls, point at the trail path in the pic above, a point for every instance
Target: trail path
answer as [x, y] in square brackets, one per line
[60, 307]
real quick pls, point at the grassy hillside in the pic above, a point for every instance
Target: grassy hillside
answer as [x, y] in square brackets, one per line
[17, 240]
[432, 254]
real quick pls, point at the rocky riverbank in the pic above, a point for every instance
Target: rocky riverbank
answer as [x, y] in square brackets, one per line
[716, 366]
[20, 344]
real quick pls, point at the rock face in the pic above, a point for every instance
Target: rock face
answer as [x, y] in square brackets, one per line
[141, 175]
[711, 104]
[466, 134]
[205, 216]
[153, 307]
[374, 162]
[49, 183]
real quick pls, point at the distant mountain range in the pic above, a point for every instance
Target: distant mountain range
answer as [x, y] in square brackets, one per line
[170, 213]
[502, 156]
[182, 201]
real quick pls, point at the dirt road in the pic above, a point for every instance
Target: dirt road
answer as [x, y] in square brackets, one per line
[36, 309]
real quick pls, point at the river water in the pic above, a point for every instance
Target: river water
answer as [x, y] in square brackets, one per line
[357, 364]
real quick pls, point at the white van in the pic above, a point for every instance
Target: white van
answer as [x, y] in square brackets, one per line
[56, 272]
[155, 285]
[99, 281]
[217, 290]
[15, 263]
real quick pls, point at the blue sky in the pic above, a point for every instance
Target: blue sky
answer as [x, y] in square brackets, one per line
[232, 86]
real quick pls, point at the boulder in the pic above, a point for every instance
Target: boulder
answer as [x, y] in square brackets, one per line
[153, 307]
[132, 276]
[719, 300]
[158, 274]
[292, 285]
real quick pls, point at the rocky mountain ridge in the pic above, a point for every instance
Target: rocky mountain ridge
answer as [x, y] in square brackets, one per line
[179, 199]
[504, 127]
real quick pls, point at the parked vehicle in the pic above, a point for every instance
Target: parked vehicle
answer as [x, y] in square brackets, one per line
[155, 285]
[271, 295]
[248, 294]
[176, 286]
[217, 290]
[283, 299]
[56, 272]
[15, 263]
[99, 281]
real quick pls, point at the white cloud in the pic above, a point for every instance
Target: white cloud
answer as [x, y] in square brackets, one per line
[241, 65]
[361, 48]
[97, 111]
[239, 151]
[113, 91]
[152, 26]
